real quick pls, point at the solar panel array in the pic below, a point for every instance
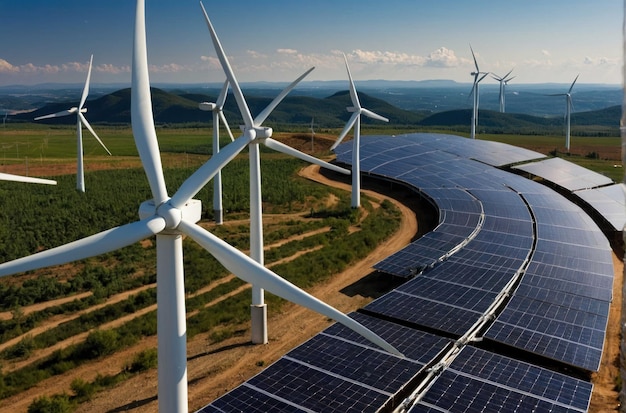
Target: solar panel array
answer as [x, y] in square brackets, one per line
[508, 254]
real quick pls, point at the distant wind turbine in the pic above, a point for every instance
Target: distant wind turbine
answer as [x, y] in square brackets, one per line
[218, 114]
[568, 111]
[477, 79]
[504, 80]
[312, 134]
[169, 219]
[355, 120]
[80, 120]
[4, 119]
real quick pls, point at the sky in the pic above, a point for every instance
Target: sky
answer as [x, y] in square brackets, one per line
[45, 41]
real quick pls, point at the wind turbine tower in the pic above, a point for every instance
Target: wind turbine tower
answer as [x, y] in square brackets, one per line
[355, 120]
[218, 114]
[504, 80]
[80, 121]
[568, 111]
[478, 77]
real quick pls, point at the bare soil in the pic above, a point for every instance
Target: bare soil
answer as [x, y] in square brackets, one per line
[216, 368]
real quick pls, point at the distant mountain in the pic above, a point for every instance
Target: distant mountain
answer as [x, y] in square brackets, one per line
[330, 112]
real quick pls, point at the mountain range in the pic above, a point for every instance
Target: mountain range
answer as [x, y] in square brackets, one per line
[181, 106]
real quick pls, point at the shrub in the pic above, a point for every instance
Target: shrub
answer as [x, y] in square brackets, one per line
[59, 403]
[143, 361]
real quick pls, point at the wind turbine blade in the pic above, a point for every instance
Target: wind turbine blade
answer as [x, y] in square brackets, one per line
[226, 126]
[572, 87]
[58, 114]
[221, 99]
[483, 76]
[373, 115]
[27, 179]
[83, 98]
[230, 75]
[281, 147]
[353, 95]
[266, 112]
[507, 75]
[88, 126]
[252, 272]
[345, 130]
[141, 111]
[474, 57]
[91, 246]
[206, 172]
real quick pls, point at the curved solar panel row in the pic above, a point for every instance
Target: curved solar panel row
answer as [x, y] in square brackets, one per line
[570, 256]
[609, 201]
[565, 174]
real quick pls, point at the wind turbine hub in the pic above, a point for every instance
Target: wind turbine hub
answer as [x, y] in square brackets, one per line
[83, 110]
[190, 212]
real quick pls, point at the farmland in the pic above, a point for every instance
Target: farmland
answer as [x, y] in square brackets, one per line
[92, 325]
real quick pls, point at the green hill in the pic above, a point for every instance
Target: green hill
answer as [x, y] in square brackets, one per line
[328, 112]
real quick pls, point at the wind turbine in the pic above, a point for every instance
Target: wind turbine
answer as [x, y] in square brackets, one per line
[4, 119]
[568, 111]
[504, 80]
[477, 79]
[80, 120]
[258, 307]
[170, 218]
[355, 120]
[218, 114]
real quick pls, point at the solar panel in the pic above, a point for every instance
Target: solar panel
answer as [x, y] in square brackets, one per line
[565, 174]
[479, 381]
[609, 201]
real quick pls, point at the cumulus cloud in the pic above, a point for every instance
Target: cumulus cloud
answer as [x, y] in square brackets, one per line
[442, 57]
[545, 52]
[287, 51]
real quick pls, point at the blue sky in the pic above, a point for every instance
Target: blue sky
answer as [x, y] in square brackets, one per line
[544, 41]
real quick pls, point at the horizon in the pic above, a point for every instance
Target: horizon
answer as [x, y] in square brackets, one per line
[277, 41]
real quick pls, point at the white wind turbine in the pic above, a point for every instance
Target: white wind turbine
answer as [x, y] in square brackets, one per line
[504, 80]
[568, 111]
[218, 114]
[312, 134]
[355, 120]
[477, 79]
[263, 135]
[169, 218]
[80, 120]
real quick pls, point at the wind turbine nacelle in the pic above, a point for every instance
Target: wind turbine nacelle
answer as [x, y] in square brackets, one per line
[190, 212]
[262, 132]
[207, 106]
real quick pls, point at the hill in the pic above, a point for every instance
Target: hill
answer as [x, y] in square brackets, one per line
[328, 112]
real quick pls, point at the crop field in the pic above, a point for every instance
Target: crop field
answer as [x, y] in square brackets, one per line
[61, 325]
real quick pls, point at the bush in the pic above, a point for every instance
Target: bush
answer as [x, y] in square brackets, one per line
[82, 389]
[100, 343]
[145, 360]
[59, 403]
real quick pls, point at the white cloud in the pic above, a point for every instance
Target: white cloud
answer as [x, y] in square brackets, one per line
[443, 57]
[287, 51]
[545, 52]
